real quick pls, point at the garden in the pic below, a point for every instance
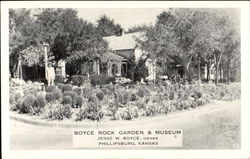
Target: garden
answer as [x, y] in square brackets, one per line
[83, 101]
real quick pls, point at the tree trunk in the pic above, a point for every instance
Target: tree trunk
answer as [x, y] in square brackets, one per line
[228, 71]
[217, 67]
[199, 69]
[208, 72]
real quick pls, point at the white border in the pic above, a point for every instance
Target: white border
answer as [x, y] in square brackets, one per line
[245, 106]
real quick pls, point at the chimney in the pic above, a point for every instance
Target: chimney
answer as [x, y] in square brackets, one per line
[121, 32]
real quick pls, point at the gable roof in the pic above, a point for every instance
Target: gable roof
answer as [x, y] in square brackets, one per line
[114, 57]
[123, 42]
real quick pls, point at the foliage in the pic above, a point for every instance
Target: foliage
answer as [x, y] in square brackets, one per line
[73, 96]
[92, 112]
[100, 95]
[67, 100]
[78, 80]
[59, 79]
[79, 101]
[141, 70]
[67, 87]
[66, 111]
[107, 26]
[78, 90]
[50, 97]
[51, 88]
[28, 102]
[101, 79]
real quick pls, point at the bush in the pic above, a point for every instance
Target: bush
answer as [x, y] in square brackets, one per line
[105, 91]
[78, 80]
[53, 112]
[100, 95]
[92, 98]
[142, 91]
[19, 103]
[141, 70]
[78, 91]
[12, 99]
[73, 95]
[134, 97]
[67, 100]
[66, 111]
[93, 111]
[50, 88]
[50, 97]
[59, 79]
[102, 79]
[86, 91]
[12, 102]
[57, 94]
[28, 103]
[40, 102]
[67, 87]
[79, 101]
[18, 96]
[38, 106]
[60, 86]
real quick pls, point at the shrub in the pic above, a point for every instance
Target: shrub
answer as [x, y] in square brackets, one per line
[59, 79]
[18, 96]
[12, 99]
[66, 111]
[38, 106]
[28, 102]
[78, 91]
[53, 111]
[50, 88]
[113, 107]
[142, 91]
[50, 97]
[92, 98]
[102, 79]
[78, 80]
[19, 103]
[86, 91]
[60, 86]
[57, 94]
[100, 95]
[105, 91]
[12, 102]
[67, 100]
[67, 87]
[122, 95]
[93, 111]
[79, 101]
[134, 97]
[141, 70]
[73, 95]
[40, 102]
[80, 114]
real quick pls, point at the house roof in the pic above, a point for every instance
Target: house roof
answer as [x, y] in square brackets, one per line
[113, 56]
[123, 42]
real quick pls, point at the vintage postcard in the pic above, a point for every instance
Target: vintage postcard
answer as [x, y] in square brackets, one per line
[125, 79]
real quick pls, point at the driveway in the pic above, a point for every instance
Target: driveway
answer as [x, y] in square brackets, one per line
[204, 128]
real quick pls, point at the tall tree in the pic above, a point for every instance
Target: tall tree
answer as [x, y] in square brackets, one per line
[107, 26]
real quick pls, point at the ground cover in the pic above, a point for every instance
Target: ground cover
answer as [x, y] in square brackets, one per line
[113, 101]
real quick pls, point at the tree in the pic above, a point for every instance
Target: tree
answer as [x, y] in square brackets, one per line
[189, 36]
[107, 26]
[137, 28]
[141, 70]
[21, 35]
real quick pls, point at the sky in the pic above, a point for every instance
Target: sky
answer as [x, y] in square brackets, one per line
[126, 17]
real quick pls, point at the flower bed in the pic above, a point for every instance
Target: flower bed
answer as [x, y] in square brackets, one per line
[114, 102]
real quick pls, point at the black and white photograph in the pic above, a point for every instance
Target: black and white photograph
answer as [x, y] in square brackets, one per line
[124, 78]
